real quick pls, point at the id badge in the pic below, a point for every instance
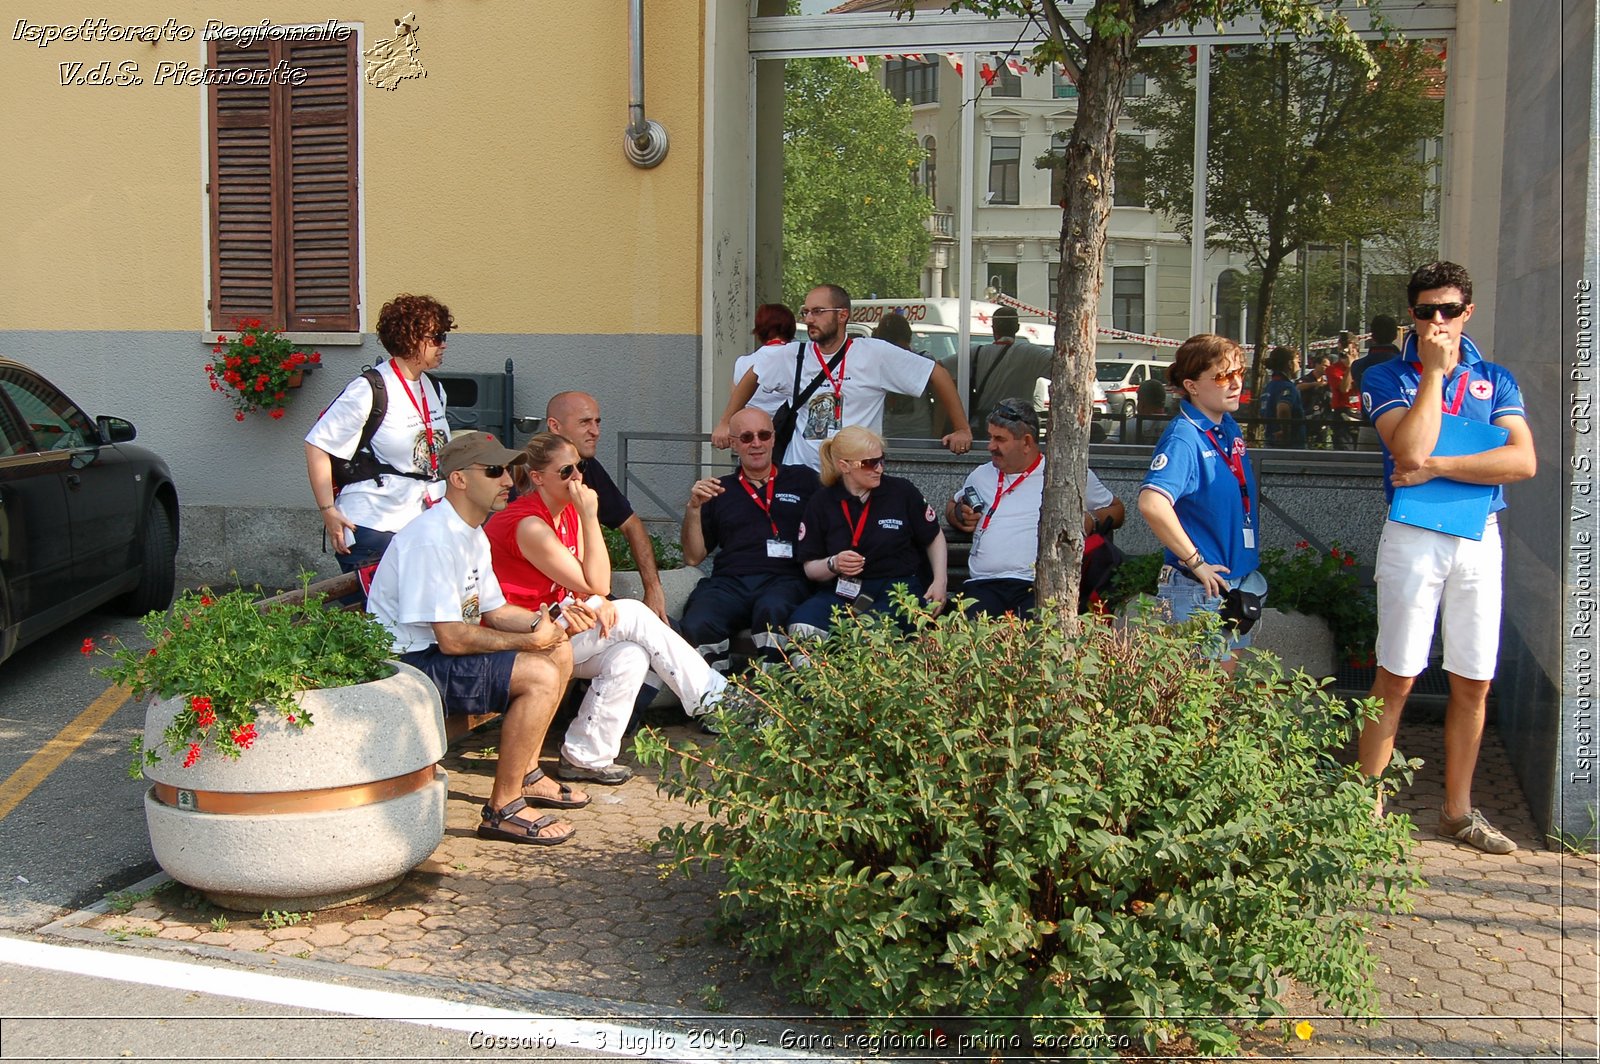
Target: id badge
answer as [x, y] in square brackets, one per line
[1249, 538]
[845, 587]
[780, 548]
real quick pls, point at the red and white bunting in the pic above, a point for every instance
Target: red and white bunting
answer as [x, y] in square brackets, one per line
[1016, 66]
[988, 74]
[857, 61]
[915, 57]
[954, 59]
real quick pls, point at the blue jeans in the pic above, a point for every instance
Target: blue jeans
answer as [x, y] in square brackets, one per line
[817, 611]
[1186, 596]
[366, 547]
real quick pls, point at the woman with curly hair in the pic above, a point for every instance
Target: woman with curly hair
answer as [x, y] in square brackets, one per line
[389, 475]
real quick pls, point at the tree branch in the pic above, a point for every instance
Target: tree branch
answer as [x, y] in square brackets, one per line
[1061, 30]
[1149, 19]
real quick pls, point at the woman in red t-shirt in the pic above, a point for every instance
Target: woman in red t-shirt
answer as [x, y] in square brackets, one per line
[548, 549]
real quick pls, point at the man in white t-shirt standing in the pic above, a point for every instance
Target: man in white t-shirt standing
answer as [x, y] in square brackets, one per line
[436, 592]
[850, 393]
[1005, 526]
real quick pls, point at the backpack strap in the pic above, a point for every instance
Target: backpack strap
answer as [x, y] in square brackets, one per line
[380, 407]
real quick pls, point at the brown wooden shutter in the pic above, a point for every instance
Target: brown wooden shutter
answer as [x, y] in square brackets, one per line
[284, 242]
[320, 187]
[243, 208]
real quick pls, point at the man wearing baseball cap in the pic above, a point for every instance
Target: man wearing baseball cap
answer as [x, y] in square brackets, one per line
[436, 592]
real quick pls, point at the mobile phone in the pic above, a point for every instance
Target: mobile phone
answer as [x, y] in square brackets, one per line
[555, 614]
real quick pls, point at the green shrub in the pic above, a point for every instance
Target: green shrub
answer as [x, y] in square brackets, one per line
[668, 556]
[1078, 833]
[1326, 586]
[1135, 576]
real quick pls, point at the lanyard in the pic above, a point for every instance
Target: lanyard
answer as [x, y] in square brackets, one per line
[837, 385]
[1236, 467]
[1001, 490]
[422, 412]
[860, 526]
[766, 507]
[1454, 405]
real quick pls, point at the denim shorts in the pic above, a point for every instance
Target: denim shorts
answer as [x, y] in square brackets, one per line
[1186, 596]
[467, 683]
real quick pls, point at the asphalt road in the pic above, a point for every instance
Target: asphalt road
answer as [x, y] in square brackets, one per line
[80, 832]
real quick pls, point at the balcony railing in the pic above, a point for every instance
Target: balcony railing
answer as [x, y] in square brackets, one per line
[942, 224]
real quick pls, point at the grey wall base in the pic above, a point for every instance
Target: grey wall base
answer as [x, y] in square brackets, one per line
[229, 546]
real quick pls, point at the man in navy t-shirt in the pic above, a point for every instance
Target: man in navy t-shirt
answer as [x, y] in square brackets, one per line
[750, 518]
[1439, 374]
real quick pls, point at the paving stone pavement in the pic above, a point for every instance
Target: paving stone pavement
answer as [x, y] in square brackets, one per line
[1498, 958]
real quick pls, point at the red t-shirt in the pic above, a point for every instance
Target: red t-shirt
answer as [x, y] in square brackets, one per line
[1336, 375]
[522, 583]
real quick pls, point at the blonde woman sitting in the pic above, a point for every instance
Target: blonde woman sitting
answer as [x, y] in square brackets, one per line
[548, 550]
[863, 533]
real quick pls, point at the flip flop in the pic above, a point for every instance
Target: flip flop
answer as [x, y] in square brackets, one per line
[565, 801]
[502, 825]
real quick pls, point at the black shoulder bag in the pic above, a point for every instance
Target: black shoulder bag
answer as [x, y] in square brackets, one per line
[787, 418]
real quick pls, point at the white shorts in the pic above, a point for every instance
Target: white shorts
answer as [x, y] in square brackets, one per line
[1417, 569]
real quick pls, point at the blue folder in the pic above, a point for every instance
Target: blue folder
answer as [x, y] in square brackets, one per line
[1449, 506]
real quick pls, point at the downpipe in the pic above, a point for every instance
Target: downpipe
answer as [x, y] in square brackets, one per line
[645, 140]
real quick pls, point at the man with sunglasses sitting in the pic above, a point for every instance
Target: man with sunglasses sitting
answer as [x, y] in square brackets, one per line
[1439, 379]
[1005, 523]
[436, 592]
[751, 518]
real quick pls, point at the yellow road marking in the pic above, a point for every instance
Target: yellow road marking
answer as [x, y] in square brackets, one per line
[33, 772]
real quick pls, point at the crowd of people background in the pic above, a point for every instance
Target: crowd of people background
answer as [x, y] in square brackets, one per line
[488, 563]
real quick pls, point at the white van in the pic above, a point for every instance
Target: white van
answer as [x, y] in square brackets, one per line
[936, 323]
[1121, 377]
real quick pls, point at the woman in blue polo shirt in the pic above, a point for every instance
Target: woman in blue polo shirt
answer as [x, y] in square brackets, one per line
[1199, 496]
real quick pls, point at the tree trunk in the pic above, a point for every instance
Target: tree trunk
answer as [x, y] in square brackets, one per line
[1263, 322]
[1083, 237]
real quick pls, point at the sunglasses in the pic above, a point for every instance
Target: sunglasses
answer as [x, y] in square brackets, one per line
[493, 472]
[566, 471]
[1222, 379]
[760, 434]
[441, 337]
[1426, 311]
[870, 463]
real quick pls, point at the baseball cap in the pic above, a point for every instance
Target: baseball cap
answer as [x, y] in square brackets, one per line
[476, 448]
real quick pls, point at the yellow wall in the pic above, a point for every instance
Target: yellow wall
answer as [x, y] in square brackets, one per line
[497, 183]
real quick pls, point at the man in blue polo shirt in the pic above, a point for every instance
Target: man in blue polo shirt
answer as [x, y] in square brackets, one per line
[1441, 371]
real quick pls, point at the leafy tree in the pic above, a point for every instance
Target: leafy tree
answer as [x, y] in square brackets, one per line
[1095, 42]
[852, 215]
[1310, 146]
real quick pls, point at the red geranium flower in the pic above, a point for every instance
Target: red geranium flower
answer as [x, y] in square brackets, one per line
[1302, 545]
[316, 357]
[192, 756]
[87, 648]
[204, 715]
[276, 414]
[238, 415]
[254, 360]
[247, 340]
[244, 736]
[1349, 560]
[207, 600]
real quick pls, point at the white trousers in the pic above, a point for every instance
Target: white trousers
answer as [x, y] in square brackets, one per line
[1419, 569]
[640, 642]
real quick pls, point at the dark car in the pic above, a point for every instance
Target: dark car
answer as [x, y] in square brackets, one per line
[85, 518]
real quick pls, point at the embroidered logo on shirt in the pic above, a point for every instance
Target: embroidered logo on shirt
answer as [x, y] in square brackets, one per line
[1481, 389]
[802, 533]
[1158, 463]
[891, 523]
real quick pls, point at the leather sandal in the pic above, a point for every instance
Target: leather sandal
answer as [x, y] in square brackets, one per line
[565, 801]
[502, 825]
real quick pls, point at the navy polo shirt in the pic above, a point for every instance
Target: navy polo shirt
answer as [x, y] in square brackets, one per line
[900, 525]
[738, 529]
[614, 506]
[1187, 468]
[1489, 392]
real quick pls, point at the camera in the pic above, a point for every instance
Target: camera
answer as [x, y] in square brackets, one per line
[970, 498]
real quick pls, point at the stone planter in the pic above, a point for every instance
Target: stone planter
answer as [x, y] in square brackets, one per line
[676, 585]
[307, 818]
[1300, 641]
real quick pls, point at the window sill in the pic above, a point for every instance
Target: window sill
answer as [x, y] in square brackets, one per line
[312, 339]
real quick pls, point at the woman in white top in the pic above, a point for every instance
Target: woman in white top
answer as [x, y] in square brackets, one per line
[399, 479]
